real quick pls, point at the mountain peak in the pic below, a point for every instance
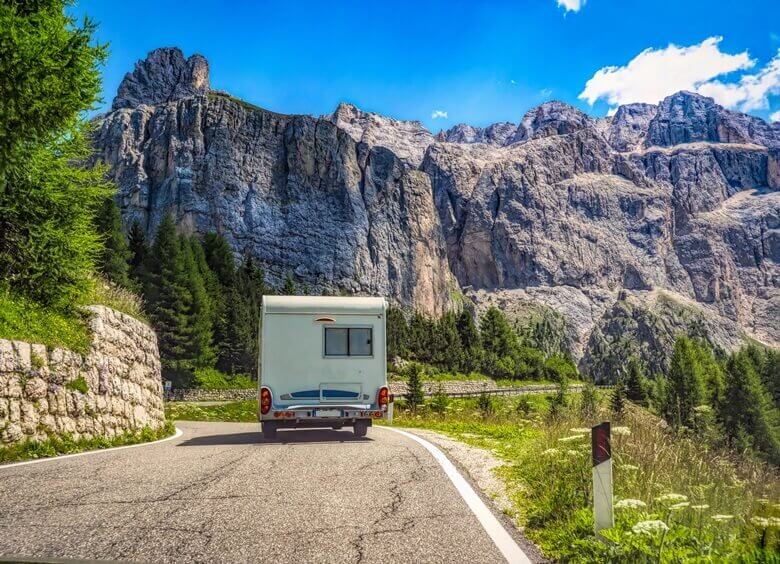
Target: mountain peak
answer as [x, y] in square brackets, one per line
[164, 75]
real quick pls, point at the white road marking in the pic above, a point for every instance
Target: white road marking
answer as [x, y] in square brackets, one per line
[501, 538]
[176, 435]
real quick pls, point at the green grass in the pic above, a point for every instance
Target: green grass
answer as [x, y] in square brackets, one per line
[24, 320]
[213, 379]
[65, 444]
[434, 375]
[236, 412]
[78, 385]
[548, 477]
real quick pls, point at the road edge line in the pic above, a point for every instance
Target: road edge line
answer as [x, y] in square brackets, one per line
[176, 435]
[493, 527]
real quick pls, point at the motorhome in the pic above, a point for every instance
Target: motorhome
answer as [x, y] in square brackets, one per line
[323, 363]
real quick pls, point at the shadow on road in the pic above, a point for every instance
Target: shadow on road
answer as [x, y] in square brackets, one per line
[284, 436]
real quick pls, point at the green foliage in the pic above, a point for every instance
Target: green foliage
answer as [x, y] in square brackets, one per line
[485, 404]
[588, 402]
[138, 256]
[26, 320]
[288, 289]
[746, 410]
[498, 338]
[78, 385]
[48, 243]
[440, 400]
[236, 412]
[48, 75]
[635, 383]
[113, 259]
[66, 444]
[415, 395]
[213, 379]
[685, 388]
[617, 400]
[397, 330]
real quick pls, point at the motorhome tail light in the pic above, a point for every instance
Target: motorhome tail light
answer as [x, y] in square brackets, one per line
[383, 398]
[265, 400]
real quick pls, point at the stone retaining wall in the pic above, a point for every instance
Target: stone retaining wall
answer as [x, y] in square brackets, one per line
[115, 388]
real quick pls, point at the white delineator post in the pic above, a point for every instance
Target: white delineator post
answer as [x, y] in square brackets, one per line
[603, 515]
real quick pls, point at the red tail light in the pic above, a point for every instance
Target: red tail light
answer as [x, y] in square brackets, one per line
[265, 400]
[383, 398]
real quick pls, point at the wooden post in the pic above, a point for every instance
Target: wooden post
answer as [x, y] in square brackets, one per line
[603, 514]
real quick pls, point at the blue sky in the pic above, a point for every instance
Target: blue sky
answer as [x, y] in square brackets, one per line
[474, 61]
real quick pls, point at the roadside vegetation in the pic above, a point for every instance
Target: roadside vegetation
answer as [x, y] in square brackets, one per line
[235, 412]
[677, 498]
[65, 444]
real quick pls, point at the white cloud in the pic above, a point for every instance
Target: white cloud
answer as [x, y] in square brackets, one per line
[751, 92]
[439, 114]
[571, 5]
[545, 92]
[656, 73]
[775, 116]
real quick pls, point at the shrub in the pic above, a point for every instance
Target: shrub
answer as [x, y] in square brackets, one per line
[415, 396]
[78, 385]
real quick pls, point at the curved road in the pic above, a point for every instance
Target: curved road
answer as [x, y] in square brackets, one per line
[221, 493]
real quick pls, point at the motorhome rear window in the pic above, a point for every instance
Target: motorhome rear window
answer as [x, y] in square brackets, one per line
[348, 341]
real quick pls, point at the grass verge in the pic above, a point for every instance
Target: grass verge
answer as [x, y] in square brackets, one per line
[213, 379]
[65, 444]
[235, 412]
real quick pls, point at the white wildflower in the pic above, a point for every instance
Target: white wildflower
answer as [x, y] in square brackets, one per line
[629, 467]
[649, 527]
[774, 522]
[571, 438]
[550, 451]
[625, 431]
[572, 453]
[722, 518]
[671, 498]
[630, 504]
[700, 507]
[681, 505]
[702, 408]
[580, 430]
[760, 522]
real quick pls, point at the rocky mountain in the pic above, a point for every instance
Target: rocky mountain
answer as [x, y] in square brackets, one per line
[626, 229]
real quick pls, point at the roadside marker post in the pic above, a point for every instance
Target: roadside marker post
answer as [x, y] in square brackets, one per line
[603, 513]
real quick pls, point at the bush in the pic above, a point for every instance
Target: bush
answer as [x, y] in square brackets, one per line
[213, 379]
[78, 385]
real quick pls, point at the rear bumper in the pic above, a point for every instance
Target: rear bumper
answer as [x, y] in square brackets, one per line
[310, 416]
[314, 423]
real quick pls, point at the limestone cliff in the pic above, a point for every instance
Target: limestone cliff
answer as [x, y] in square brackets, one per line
[589, 217]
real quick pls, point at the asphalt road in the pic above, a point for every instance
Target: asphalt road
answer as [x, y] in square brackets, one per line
[221, 493]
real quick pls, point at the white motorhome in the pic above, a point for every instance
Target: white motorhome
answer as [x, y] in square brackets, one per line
[323, 363]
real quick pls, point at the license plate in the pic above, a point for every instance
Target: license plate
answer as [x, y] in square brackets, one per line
[327, 413]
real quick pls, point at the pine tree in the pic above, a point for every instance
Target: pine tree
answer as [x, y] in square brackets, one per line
[397, 333]
[289, 286]
[589, 401]
[139, 256]
[415, 396]
[113, 260]
[746, 411]
[170, 303]
[440, 400]
[470, 342]
[200, 316]
[617, 401]
[420, 337]
[498, 337]
[685, 389]
[447, 348]
[636, 383]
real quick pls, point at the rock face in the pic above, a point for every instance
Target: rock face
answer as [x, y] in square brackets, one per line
[115, 388]
[165, 75]
[562, 211]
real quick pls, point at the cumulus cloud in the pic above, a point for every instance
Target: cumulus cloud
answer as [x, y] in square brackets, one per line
[775, 116]
[571, 5]
[439, 114]
[751, 92]
[656, 73]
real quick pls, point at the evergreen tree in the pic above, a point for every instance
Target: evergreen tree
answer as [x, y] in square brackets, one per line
[289, 285]
[447, 348]
[139, 256]
[685, 389]
[220, 258]
[114, 258]
[636, 383]
[440, 400]
[415, 396]
[589, 401]
[169, 301]
[746, 411]
[397, 331]
[420, 337]
[617, 401]
[201, 311]
[470, 342]
[497, 335]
